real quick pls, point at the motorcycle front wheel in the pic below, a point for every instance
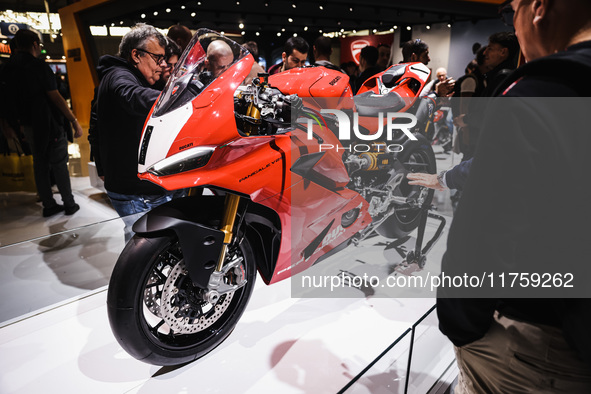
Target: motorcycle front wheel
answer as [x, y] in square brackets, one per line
[417, 156]
[156, 313]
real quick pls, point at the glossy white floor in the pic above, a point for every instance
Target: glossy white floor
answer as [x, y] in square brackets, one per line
[55, 336]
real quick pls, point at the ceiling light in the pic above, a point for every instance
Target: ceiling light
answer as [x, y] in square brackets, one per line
[193, 14]
[306, 28]
[155, 13]
[183, 7]
[395, 27]
[295, 34]
[241, 25]
[408, 28]
[290, 20]
[143, 16]
[278, 34]
[168, 10]
[243, 32]
[428, 27]
[257, 33]
[321, 7]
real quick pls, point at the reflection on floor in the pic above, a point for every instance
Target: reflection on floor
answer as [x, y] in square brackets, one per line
[54, 334]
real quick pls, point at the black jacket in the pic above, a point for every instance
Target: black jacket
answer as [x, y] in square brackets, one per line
[525, 206]
[123, 104]
[25, 82]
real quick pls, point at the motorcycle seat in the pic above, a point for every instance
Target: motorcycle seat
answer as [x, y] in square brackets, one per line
[372, 104]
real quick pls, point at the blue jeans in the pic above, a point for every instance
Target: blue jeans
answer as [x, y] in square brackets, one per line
[129, 205]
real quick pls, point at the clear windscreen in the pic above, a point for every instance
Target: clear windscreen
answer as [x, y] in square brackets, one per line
[205, 59]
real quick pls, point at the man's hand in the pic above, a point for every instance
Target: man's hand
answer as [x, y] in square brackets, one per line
[459, 121]
[426, 180]
[445, 88]
[77, 129]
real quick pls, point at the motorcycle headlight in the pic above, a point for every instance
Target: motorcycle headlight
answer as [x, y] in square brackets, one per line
[186, 160]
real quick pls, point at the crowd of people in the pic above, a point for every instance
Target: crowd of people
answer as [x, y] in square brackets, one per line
[501, 344]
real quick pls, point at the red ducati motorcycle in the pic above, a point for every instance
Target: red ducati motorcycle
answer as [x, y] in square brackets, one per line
[281, 191]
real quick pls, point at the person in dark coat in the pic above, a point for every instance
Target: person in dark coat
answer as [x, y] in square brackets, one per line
[43, 114]
[124, 99]
[525, 213]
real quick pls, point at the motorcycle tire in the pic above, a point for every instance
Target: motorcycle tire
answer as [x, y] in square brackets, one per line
[155, 312]
[417, 156]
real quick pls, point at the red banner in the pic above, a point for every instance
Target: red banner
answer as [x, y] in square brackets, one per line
[351, 46]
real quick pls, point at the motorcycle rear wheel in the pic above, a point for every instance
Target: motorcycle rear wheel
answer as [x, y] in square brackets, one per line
[417, 156]
[155, 312]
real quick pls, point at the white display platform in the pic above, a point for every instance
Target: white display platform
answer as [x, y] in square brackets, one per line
[281, 345]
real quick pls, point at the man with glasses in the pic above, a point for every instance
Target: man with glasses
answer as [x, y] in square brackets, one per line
[295, 53]
[125, 96]
[525, 210]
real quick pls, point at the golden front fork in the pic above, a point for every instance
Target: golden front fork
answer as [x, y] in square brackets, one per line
[230, 211]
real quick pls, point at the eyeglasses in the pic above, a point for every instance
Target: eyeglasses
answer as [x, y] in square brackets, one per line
[156, 57]
[507, 13]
